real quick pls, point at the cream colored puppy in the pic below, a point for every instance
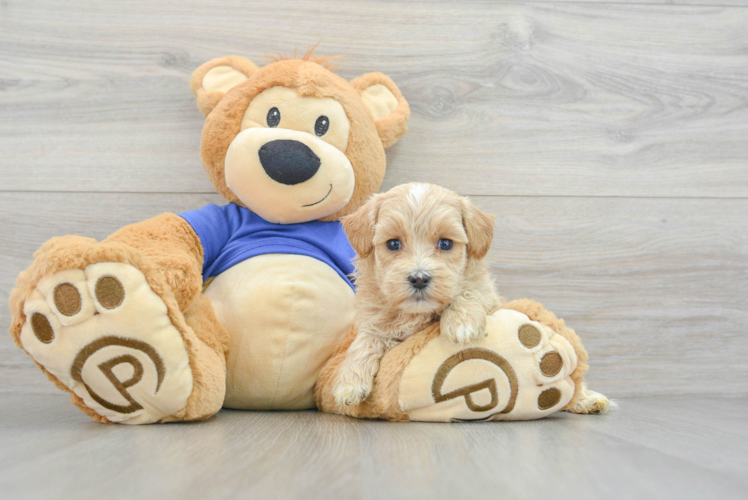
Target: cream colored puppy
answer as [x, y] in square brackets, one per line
[420, 249]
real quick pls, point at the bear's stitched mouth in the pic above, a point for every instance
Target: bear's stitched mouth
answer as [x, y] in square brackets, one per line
[320, 201]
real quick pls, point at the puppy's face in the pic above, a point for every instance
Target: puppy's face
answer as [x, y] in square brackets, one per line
[416, 242]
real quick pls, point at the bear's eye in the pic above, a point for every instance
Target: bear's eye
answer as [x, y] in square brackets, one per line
[445, 245]
[321, 126]
[393, 245]
[274, 117]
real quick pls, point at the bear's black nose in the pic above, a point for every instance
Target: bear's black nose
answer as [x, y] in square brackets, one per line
[289, 162]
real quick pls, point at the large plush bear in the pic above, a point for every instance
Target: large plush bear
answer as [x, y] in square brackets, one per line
[238, 306]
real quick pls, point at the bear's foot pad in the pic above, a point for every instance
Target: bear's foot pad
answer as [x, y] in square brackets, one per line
[106, 335]
[519, 371]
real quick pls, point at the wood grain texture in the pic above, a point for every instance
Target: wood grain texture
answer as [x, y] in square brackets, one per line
[657, 288]
[507, 98]
[650, 448]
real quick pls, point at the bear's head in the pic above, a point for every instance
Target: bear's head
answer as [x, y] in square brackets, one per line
[292, 141]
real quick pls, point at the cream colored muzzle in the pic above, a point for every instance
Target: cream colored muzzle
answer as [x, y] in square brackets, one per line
[286, 176]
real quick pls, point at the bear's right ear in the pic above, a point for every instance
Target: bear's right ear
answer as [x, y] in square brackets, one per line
[212, 80]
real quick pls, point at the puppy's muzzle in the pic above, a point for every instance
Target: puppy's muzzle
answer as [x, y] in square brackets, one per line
[288, 162]
[419, 280]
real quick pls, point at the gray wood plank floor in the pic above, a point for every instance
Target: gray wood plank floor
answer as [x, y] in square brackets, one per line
[690, 447]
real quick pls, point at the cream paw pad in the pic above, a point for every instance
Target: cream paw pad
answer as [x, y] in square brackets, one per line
[106, 335]
[520, 370]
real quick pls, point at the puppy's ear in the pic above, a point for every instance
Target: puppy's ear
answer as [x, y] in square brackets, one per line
[359, 226]
[212, 80]
[479, 229]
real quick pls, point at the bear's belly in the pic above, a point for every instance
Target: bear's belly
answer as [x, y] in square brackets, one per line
[285, 314]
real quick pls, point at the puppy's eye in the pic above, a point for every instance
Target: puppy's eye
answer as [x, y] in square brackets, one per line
[274, 117]
[445, 245]
[321, 126]
[393, 245]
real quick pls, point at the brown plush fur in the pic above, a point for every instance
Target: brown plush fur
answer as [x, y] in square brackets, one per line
[167, 252]
[171, 245]
[166, 249]
[394, 126]
[209, 351]
[366, 142]
[207, 100]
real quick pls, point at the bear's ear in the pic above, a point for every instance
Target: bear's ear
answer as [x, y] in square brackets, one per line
[212, 80]
[386, 104]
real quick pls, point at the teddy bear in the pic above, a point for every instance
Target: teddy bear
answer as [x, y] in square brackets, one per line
[236, 306]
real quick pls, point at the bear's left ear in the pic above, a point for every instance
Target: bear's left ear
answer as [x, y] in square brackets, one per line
[386, 104]
[212, 80]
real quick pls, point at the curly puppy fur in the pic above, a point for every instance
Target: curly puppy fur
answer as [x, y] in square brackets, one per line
[383, 308]
[434, 271]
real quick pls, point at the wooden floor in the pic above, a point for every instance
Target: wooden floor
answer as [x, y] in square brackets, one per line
[610, 139]
[680, 448]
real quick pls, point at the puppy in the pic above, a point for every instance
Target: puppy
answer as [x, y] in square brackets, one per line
[420, 249]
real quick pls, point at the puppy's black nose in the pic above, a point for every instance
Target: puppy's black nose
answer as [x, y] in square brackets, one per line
[288, 162]
[419, 280]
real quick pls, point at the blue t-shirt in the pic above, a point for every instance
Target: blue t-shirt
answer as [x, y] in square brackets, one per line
[232, 234]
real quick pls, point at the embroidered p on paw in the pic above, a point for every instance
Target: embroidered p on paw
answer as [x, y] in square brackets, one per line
[449, 382]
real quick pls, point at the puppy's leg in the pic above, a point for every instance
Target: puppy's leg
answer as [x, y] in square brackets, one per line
[356, 376]
[464, 320]
[591, 403]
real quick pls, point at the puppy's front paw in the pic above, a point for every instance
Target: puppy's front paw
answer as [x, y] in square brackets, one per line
[353, 391]
[462, 326]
